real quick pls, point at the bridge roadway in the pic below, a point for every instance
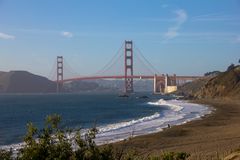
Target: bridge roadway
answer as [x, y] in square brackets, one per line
[183, 78]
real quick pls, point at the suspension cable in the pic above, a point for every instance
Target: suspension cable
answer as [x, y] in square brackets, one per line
[69, 68]
[51, 74]
[150, 65]
[145, 65]
[111, 62]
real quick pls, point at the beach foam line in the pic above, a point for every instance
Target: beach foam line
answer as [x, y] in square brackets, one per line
[162, 102]
[128, 123]
[137, 129]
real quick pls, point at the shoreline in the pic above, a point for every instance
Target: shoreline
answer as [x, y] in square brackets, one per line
[181, 113]
[210, 136]
[215, 135]
[172, 105]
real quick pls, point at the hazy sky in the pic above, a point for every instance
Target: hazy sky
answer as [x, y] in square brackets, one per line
[186, 37]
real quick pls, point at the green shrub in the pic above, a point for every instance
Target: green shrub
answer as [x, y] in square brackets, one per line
[182, 156]
[175, 156]
[5, 155]
[53, 143]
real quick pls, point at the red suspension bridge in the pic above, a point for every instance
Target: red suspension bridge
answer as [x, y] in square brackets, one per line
[142, 70]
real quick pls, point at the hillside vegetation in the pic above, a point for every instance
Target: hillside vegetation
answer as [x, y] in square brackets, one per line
[223, 85]
[189, 89]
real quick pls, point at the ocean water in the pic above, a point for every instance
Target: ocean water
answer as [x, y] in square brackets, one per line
[116, 118]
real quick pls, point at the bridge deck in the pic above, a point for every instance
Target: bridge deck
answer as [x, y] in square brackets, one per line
[122, 77]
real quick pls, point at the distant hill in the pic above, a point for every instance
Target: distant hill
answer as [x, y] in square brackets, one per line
[224, 85]
[25, 82]
[80, 86]
[102, 85]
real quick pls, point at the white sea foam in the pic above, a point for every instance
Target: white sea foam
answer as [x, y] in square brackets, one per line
[179, 112]
[162, 102]
[115, 126]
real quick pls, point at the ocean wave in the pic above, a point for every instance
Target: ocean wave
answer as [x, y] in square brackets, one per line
[128, 123]
[141, 128]
[162, 102]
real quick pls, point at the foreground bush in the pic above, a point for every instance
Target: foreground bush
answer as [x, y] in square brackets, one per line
[5, 155]
[175, 156]
[54, 143]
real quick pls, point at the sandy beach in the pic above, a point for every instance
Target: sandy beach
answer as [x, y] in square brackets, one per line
[214, 136]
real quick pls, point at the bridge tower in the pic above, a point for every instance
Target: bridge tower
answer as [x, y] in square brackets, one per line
[59, 73]
[128, 66]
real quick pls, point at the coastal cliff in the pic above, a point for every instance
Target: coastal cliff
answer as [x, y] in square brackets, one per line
[224, 85]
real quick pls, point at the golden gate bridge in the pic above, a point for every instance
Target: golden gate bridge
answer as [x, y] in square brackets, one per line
[162, 83]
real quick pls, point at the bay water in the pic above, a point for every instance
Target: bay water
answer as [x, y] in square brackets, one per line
[116, 118]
